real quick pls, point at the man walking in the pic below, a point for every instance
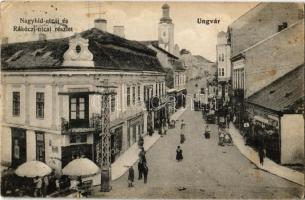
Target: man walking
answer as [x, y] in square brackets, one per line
[145, 172]
[130, 176]
[261, 154]
[140, 169]
[182, 132]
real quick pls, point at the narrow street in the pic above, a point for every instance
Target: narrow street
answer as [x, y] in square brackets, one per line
[207, 170]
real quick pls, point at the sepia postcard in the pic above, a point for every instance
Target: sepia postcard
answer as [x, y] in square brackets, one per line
[152, 100]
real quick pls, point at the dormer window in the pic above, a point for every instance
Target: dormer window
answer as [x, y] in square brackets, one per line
[282, 26]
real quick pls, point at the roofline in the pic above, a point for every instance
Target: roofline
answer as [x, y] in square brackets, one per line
[280, 113]
[272, 36]
[55, 71]
[250, 10]
[168, 53]
[277, 80]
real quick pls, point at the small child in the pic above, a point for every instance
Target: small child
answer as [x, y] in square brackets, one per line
[130, 176]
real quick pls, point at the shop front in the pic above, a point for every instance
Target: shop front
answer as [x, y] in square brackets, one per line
[74, 151]
[116, 141]
[265, 134]
[135, 128]
[18, 146]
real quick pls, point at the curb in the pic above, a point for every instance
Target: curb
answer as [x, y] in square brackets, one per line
[263, 169]
[155, 132]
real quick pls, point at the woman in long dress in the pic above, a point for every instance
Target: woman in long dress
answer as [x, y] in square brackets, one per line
[182, 132]
[179, 155]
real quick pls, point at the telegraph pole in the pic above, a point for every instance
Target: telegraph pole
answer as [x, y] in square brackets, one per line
[104, 145]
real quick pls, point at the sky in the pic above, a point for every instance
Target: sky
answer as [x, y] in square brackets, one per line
[140, 20]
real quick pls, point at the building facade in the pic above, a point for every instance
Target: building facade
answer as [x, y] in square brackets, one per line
[52, 97]
[261, 42]
[267, 53]
[223, 55]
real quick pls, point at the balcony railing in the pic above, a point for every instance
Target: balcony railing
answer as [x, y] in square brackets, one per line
[95, 124]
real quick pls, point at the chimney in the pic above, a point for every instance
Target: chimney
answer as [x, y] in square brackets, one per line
[4, 40]
[100, 24]
[119, 31]
[42, 37]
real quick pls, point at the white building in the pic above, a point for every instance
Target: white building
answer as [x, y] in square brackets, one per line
[52, 101]
[223, 55]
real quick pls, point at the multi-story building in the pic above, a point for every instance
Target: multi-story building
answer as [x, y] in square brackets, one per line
[223, 55]
[174, 67]
[267, 50]
[52, 97]
[263, 48]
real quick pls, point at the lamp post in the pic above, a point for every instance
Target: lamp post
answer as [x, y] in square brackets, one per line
[104, 145]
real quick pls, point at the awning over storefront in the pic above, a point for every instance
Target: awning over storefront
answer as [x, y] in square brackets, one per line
[261, 119]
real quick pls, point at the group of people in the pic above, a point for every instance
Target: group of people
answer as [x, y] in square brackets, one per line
[163, 127]
[142, 169]
[179, 151]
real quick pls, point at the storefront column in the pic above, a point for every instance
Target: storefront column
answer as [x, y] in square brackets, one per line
[30, 145]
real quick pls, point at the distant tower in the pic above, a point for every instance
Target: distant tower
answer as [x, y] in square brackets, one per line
[166, 30]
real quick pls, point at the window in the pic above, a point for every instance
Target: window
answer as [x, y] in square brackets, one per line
[222, 71]
[16, 103]
[133, 95]
[78, 138]
[39, 105]
[159, 89]
[79, 111]
[112, 103]
[282, 26]
[222, 57]
[40, 146]
[128, 96]
[219, 58]
[139, 93]
[156, 89]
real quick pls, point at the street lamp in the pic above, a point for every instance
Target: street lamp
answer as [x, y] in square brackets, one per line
[104, 144]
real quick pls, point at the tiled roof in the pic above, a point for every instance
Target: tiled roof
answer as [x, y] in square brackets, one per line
[109, 52]
[282, 93]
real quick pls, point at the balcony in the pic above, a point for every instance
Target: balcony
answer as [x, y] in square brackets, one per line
[95, 124]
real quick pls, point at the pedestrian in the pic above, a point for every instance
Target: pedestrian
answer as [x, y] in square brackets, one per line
[45, 186]
[165, 127]
[179, 156]
[142, 156]
[221, 138]
[38, 185]
[130, 176]
[182, 132]
[261, 154]
[140, 169]
[145, 172]
[141, 142]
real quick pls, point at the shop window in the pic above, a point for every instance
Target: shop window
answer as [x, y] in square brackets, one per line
[128, 96]
[16, 103]
[39, 105]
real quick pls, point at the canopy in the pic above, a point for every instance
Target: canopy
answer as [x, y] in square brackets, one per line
[80, 167]
[32, 169]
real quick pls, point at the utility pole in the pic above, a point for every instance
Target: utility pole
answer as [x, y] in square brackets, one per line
[104, 145]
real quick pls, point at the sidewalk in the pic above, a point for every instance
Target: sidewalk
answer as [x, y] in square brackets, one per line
[130, 156]
[269, 165]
